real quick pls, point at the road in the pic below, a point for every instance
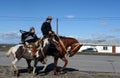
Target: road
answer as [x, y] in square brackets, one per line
[93, 63]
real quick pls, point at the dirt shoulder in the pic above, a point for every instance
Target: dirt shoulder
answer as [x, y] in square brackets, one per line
[70, 73]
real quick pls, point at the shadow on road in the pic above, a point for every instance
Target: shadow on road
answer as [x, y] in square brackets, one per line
[48, 70]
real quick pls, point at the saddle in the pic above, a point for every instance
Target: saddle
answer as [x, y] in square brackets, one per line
[31, 48]
[56, 41]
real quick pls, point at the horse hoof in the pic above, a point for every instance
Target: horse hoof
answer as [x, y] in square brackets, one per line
[15, 73]
[70, 55]
[55, 73]
[18, 74]
[41, 71]
[34, 74]
[30, 69]
[63, 72]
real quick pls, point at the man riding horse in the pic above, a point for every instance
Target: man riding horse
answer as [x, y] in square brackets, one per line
[28, 38]
[46, 29]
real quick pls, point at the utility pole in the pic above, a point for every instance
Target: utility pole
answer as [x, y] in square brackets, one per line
[57, 26]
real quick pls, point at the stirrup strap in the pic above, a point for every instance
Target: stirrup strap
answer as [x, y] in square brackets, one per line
[62, 45]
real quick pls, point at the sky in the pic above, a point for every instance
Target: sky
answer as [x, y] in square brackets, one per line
[82, 19]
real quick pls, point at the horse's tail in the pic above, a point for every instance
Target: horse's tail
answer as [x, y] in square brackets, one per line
[9, 53]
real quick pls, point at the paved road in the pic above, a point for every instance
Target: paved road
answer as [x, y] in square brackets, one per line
[78, 62]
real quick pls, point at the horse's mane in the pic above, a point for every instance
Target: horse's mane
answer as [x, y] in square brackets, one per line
[65, 37]
[62, 36]
[71, 38]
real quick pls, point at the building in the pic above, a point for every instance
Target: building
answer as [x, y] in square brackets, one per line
[103, 46]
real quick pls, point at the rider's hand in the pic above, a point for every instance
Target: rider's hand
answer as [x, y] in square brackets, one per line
[50, 32]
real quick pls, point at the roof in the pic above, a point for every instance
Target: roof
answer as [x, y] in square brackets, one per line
[101, 42]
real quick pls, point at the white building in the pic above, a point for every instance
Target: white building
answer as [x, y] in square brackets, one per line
[103, 47]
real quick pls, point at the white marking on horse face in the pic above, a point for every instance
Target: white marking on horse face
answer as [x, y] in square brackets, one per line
[46, 42]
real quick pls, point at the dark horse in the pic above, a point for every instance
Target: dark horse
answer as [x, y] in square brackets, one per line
[50, 49]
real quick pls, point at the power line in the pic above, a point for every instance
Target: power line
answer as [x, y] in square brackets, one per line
[22, 18]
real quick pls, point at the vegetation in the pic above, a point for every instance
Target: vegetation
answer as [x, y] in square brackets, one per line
[5, 47]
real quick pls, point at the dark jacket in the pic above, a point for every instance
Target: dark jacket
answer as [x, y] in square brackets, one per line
[46, 27]
[28, 37]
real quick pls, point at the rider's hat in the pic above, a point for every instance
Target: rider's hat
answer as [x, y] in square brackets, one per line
[49, 18]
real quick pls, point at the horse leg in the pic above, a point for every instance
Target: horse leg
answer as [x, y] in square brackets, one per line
[44, 65]
[55, 66]
[29, 65]
[74, 48]
[14, 67]
[35, 64]
[66, 62]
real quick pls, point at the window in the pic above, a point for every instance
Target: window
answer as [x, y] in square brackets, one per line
[105, 47]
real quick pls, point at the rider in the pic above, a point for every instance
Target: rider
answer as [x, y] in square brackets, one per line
[29, 37]
[46, 27]
[47, 31]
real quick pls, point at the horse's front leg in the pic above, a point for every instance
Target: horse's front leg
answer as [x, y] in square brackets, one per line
[35, 64]
[66, 62]
[74, 48]
[30, 68]
[55, 66]
[44, 65]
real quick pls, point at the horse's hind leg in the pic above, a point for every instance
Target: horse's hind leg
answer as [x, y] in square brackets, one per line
[55, 66]
[14, 68]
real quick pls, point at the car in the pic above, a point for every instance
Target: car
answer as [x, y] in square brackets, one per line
[90, 50]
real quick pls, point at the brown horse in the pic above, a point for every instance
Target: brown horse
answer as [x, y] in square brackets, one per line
[58, 52]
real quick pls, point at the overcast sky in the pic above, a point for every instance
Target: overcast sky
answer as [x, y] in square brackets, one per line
[83, 19]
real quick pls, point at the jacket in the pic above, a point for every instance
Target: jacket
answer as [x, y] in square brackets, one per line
[29, 37]
[45, 28]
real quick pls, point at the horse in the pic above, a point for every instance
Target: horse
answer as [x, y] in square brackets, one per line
[29, 52]
[50, 49]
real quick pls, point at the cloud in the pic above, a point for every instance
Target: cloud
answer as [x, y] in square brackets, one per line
[9, 37]
[70, 16]
[117, 29]
[104, 36]
[104, 24]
